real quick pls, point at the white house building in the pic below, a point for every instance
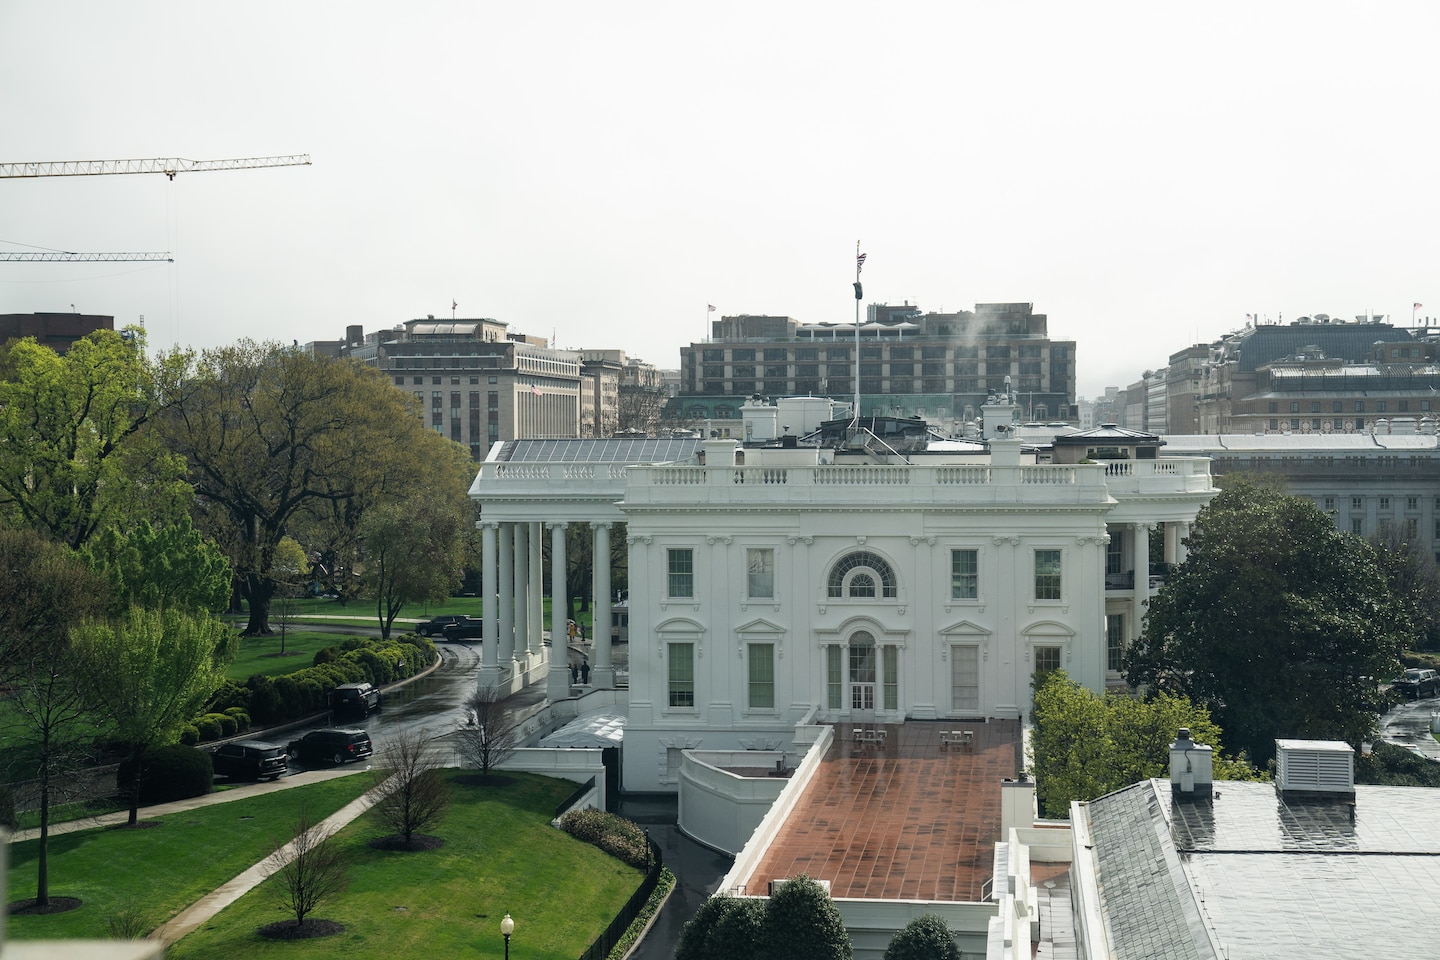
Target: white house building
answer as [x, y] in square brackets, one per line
[864, 576]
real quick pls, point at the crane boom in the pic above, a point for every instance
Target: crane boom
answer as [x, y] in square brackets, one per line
[32, 257]
[168, 166]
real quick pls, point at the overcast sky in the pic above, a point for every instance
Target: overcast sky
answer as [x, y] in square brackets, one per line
[1144, 173]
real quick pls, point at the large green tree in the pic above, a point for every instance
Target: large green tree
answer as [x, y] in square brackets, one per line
[79, 454]
[277, 439]
[46, 588]
[926, 937]
[1276, 622]
[414, 551]
[169, 566]
[150, 672]
[1086, 745]
[1414, 577]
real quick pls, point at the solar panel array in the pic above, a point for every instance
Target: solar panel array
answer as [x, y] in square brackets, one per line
[639, 450]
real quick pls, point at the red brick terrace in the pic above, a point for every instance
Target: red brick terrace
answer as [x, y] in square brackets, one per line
[907, 820]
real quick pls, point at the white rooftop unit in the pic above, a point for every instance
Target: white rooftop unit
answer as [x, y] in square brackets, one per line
[1316, 769]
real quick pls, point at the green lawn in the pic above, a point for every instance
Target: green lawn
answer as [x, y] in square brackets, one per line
[165, 868]
[362, 612]
[262, 654]
[500, 855]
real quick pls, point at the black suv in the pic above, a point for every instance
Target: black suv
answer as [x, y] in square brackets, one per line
[437, 624]
[331, 746]
[469, 628]
[356, 698]
[249, 760]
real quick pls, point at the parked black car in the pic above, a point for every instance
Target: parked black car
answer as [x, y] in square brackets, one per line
[249, 760]
[355, 698]
[437, 624]
[332, 745]
[470, 628]
[1418, 684]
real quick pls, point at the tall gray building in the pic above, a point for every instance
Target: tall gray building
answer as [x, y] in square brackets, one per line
[938, 366]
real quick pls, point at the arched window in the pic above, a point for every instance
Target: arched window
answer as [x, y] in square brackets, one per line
[856, 576]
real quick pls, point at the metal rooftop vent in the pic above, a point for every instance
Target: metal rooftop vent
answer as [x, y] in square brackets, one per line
[1315, 769]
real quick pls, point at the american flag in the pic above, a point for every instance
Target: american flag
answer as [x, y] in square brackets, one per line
[859, 261]
[710, 308]
[1419, 305]
[535, 390]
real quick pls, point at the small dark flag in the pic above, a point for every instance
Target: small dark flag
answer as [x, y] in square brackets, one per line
[859, 262]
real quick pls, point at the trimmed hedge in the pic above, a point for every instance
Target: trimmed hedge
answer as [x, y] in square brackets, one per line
[615, 835]
[268, 700]
[189, 734]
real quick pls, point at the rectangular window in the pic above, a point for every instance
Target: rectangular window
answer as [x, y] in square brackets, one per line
[1115, 555]
[762, 676]
[1357, 503]
[1294, 406]
[1412, 528]
[1384, 503]
[1329, 503]
[1379, 406]
[1412, 503]
[1047, 659]
[1047, 574]
[760, 573]
[681, 566]
[964, 574]
[1359, 406]
[1357, 526]
[890, 664]
[833, 675]
[1114, 641]
[682, 674]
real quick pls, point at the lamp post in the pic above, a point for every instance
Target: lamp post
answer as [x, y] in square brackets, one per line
[507, 927]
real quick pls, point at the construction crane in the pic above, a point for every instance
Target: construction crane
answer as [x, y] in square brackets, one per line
[58, 257]
[168, 166]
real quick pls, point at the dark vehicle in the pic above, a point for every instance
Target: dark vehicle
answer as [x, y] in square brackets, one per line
[356, 698]
[470, 628]
[331, 746]
[1418, 684]
[436, 625]
[249, 760]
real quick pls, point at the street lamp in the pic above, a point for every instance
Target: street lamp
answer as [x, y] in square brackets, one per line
[507, 927]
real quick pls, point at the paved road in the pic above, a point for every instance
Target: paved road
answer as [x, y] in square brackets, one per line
[1408, 725]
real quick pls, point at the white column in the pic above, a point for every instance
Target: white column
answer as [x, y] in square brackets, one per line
[1172, 542]
[1142, 577]
[559, 680]
[536, 595]
[523, 586]
[506, 550]
[490, 580]
[602, 671]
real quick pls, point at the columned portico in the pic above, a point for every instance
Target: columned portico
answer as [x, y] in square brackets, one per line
[602, 673]
[559, 682]
[1142, 578]
[524, 585]
[506, 635]
[490, 611]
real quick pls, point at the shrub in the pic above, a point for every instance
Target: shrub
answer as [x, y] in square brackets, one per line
[615, 835]
[173, 772]
[230, 696]
[189, 734]
[265, 706]
[242, 719]
[924, 938]
[803, 923]
[325, 655]
[723, 928]
[208, 727]
[228, 726]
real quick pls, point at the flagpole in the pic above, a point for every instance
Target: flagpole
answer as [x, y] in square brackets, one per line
[859, 262]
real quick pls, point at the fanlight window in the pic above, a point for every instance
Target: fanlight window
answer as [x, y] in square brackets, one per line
[862, 576]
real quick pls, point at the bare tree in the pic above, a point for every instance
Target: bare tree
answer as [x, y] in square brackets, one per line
[491, 733]
[310, 869]
[411, 790]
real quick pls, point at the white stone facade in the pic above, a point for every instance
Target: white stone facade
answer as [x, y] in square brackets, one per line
[868, 592]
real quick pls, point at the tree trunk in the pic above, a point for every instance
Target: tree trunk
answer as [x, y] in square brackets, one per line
[42, 880]
[257, 592]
